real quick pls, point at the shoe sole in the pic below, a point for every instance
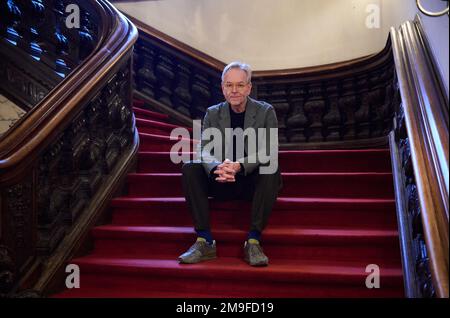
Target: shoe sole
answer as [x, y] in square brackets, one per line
[204, 258]
[257, 264]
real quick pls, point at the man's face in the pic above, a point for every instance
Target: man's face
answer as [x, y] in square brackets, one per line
[235, 87]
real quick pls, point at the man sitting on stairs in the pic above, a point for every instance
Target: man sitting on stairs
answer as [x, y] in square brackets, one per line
[250, 175]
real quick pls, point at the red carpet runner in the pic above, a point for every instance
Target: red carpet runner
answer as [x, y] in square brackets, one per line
[334, 217]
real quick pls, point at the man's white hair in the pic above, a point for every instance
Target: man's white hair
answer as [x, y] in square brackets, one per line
[243, 66]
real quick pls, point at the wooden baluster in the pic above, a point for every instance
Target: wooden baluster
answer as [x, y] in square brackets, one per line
[348, 106]
[332, 119]
[376, 101]
[390, 100]
[164, 71]
[296, 121]
[60, 40]
[86, 36]
[201, 95]
[362, 115]
[216, 91]
[315, 109]
[36, 16]
[182, 96]
[11, 21]
[146, 80]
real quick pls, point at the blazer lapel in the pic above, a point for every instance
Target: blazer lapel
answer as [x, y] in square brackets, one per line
[250, 114]
[224, 117]
[224, 122]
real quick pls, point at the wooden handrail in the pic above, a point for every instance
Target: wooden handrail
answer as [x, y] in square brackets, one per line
[426, 116]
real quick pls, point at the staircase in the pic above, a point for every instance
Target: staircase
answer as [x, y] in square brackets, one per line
[333, 218]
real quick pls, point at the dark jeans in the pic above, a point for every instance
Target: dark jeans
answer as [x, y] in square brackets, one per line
[261, 189]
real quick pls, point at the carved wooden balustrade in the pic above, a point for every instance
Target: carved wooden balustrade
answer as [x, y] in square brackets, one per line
[346, 104]
[419, 146]
[40, 35]
[418, 279]
[61, 163]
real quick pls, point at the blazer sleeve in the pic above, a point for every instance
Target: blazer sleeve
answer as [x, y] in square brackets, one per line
[209, 161]
[268, 147]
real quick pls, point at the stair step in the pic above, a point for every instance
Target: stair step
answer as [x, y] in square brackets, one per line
[100, 291]
[315, 212]
[155, 142]
[233, 277]
[334, 216]
[372, 246]
[302, 184]
[376, 160]
[148, 114]
[157, 127]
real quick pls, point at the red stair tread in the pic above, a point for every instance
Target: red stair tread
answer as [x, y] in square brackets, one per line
[155, 123]
[164, 138]
[289, 160]
[155, 203]
[125, 201]
[358, 185]
[131, 293]
[149, 113]
[304, 235]
[235, 268]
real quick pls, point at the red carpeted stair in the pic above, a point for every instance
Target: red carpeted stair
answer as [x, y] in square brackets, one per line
[334, 216]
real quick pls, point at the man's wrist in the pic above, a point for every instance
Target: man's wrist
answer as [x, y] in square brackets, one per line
[239, 168]
[212, 174]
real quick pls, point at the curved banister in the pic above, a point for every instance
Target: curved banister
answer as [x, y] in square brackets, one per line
[426, 115]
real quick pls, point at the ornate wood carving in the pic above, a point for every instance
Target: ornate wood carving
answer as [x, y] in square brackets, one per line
[38, 47]
[6, 271]
[424, 281]
[8, 278]
[19, 230]
[425, 140]
[418, 250]
[341, 109]
[50, 199]
[175, 80]
[55, 160]
[72, 168]
[20, 84]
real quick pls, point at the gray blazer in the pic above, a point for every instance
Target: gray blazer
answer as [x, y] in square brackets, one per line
[258, 114]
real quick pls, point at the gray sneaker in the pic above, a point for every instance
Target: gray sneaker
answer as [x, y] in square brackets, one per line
[254, 255]
[200, 251]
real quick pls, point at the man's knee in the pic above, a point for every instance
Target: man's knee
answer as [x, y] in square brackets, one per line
[272, 178]
[273, 175]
